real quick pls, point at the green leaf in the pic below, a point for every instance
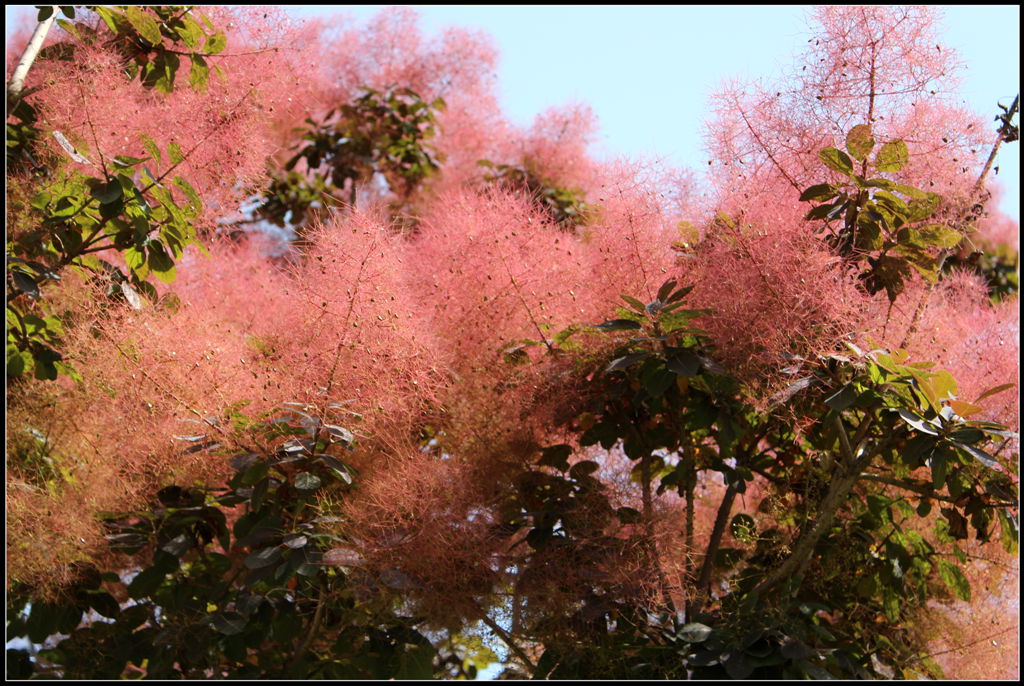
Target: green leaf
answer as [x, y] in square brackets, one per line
[113, 19]
[108, 192]
[144, 23]
[992, 391]
[920, 260]
[892, 157]
[307, 482]
[920, 208]
[666, 289]
[619, 325]
[634, 303]
[160, 263]
[684, 363]
[843, 398]
[264, 557]
[556, 456]
[859, 141]
[978, 454]
[583, 468]
[228, 623]
[191, 32]
[416, 663]
[837, 160]
[45, 12]
[818, 193]
[151, 147]
[16, 361]
[1009, 532]
[69, 27]
[940, 236]
[146, 582]
[954, 579]
[216, 43]
[916, 421]
[174, 152]
[200, 74]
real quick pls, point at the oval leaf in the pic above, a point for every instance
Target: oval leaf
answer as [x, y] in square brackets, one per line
[694, 632]
[837, 160]
[892, 157]
[307, 482]
[859, 142]
[263, 558]
[144, 23]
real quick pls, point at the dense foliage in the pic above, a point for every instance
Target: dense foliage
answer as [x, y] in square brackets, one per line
[415, 392]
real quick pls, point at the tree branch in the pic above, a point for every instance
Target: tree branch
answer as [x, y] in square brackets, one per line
[17, 83]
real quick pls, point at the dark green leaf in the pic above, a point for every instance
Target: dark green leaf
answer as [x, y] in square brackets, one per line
[843, 398]
[264, 557]
[146, 582]
[583, 468]
[628, 515]
[556, 456]
[837, 160]
[666, 289]
[619, 325]
[634, 303]
[25, 283]
[228, 623]
[818, 193]
[626, 361]
[295, 540]
[306, 482]
[684, 363]
[978, 454]
[828, 211]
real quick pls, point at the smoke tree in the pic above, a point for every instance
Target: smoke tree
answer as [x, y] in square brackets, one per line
[491, 399]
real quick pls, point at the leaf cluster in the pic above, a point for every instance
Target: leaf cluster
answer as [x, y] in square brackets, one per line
[880, 222]
[127, 208]
[243, 581]
[380, 132]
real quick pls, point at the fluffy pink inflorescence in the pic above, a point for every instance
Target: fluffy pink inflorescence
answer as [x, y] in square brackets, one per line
[224, 132]
[877, 65]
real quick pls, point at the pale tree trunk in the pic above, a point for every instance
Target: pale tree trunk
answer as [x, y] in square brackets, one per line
[17, 82]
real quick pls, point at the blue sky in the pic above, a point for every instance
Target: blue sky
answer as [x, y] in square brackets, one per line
[647, 71]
